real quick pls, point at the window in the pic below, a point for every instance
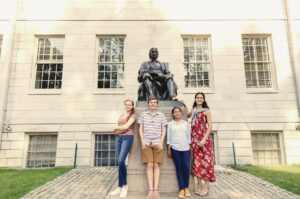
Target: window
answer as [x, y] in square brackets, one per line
[213, 135]
[110, 63]
[41, 151]
[197, 62]
[105, 150]
[257, 62]
[49, 64]
[266, 149]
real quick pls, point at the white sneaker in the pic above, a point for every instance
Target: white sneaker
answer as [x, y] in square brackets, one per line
[115, 192]
[123, 193]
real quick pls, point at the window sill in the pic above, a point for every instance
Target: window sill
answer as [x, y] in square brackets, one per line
[195, 90]
[261, 91]
[109, 92]
[45, 92]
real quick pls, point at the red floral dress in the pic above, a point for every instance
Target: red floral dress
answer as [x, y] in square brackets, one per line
[203, 157]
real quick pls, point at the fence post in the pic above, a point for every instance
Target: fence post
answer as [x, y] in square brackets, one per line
[75, 156]
[234, 158]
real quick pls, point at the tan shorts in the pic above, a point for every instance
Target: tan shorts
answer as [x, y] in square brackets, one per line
[152, 154]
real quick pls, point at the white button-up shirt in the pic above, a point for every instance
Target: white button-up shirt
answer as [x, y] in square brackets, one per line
[179, 135]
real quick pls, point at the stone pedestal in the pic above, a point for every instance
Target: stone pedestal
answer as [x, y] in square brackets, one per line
[137, 170]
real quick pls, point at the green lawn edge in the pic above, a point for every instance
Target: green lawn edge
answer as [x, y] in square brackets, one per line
[285, 177]
[17, 183]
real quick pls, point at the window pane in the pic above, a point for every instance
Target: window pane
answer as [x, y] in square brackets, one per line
[50, 50]
[256, 52]
[105, 150]
[266, 148]
[50, 75]
[111, 51]
[41, 152]
[197, 62]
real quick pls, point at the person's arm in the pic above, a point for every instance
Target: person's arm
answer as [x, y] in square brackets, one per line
[142, 137]
[126, 125]
[189, 133]
[164, 123]
[163, 135]
[209, 123]
[169, 134]
[141, 130]
[188, 113]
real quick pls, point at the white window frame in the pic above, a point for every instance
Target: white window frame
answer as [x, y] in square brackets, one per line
[93, 146]
[26, 145]
[33, 90]
[274, 88]
[109, 91]
[280, 136]
[211, 77]
[216, 147]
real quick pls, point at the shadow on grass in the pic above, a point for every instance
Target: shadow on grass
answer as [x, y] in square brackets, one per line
[286, 177]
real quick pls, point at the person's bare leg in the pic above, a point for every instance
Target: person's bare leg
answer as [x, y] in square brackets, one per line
[156, 175]
[150, 175]
[205, 190]
[156, 180]
[198, 189]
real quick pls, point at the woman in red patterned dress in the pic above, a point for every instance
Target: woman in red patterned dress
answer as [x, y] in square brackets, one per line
[203, 154]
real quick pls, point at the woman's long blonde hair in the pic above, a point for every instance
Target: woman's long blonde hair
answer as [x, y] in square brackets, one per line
[132, 110]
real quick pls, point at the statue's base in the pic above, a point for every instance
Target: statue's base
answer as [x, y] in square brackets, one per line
[169, 104]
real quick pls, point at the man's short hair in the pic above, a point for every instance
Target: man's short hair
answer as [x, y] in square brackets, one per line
[152, 98]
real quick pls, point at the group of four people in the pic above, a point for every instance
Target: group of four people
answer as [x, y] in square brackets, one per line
[181, 139]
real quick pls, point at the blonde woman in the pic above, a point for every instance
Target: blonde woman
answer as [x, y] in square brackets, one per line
[124, 142]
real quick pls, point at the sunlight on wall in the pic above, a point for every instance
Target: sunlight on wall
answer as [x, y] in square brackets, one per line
[221, 9]
[293, 113]
[112, 115]
[30, 9]
[120, 5]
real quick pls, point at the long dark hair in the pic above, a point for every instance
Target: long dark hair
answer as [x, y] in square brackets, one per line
[132, 110]
[204, 105]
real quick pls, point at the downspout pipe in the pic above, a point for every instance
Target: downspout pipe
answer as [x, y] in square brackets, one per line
[8, 44]
[295, 66]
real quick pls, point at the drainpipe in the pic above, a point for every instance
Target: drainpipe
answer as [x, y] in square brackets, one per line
[7, 53]
[295, 66]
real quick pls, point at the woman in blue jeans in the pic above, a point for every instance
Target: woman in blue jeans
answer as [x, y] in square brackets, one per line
[124, 142]
[179, 140]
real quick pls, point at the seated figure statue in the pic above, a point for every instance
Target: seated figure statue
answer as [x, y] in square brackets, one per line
[156, 79]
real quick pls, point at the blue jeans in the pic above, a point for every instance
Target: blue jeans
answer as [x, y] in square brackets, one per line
[182, 164]
[123, 146]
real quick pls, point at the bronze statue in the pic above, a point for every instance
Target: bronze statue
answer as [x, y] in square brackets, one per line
[156, 79]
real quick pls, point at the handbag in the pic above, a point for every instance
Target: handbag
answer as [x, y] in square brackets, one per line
[169, 153]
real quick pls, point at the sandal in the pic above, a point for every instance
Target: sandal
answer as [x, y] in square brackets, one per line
[204, 191]
[198, 193]
[198, 190]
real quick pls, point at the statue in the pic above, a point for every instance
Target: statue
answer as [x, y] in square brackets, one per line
[156, 79]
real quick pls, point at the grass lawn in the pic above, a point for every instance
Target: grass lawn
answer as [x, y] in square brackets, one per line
[16, 183]
[286, 177]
